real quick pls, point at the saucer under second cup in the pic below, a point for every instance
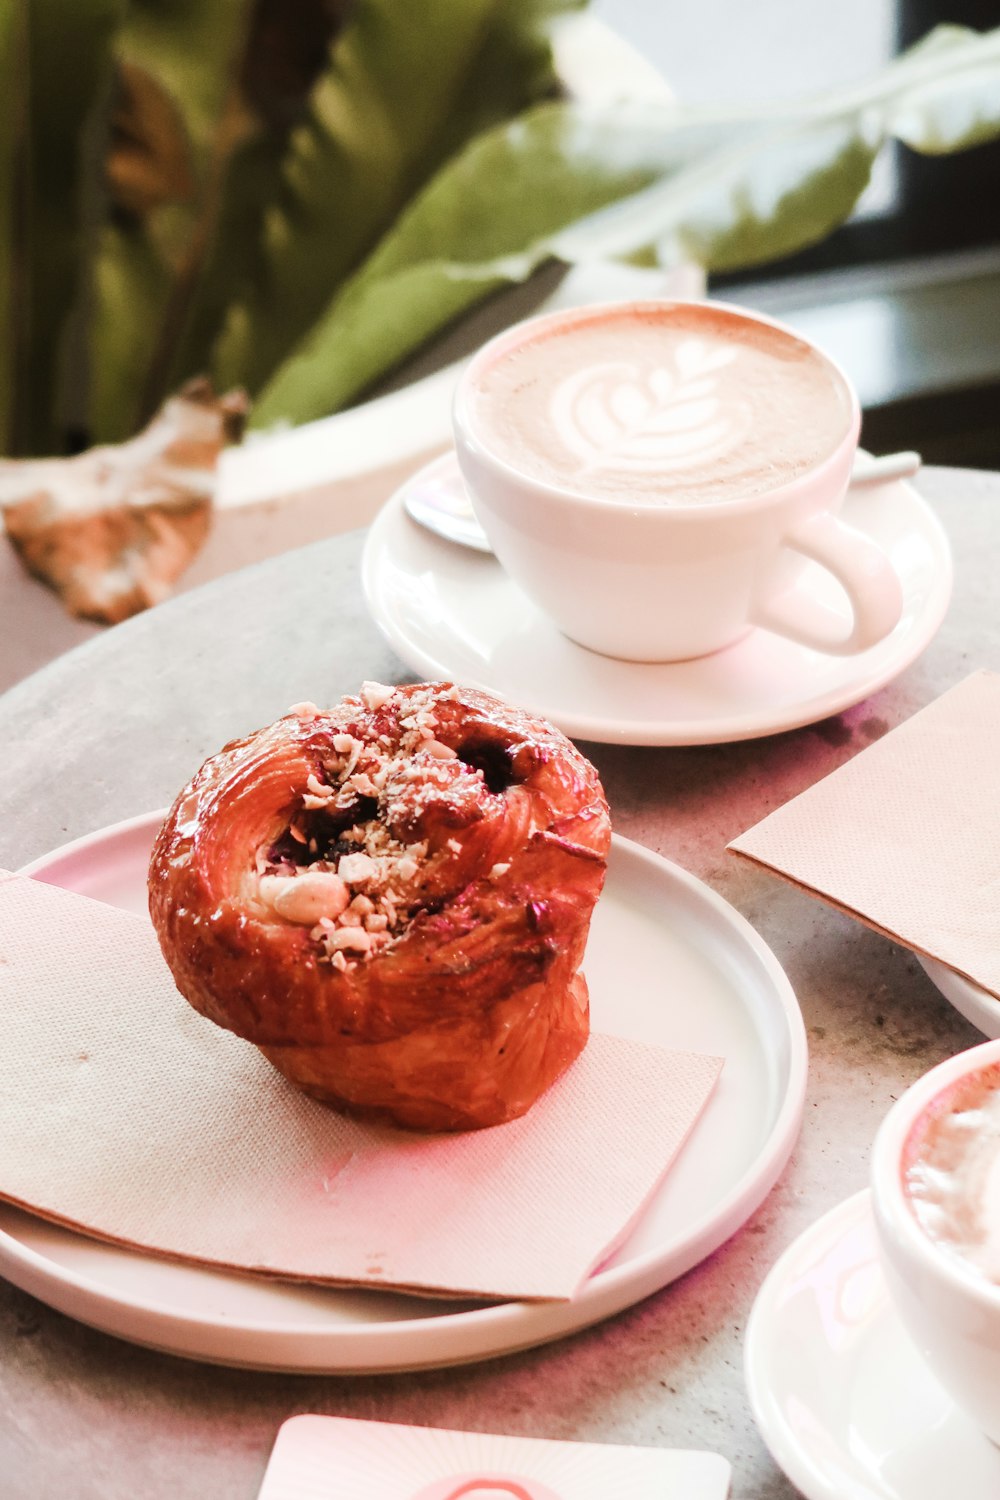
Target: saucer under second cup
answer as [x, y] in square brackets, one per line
[843, 1399]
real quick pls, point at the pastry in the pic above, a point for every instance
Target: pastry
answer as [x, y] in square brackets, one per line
[391, 899]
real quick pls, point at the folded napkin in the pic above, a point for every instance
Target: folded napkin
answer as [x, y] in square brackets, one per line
[906, 836]
[125, 1114]
[317, 1458]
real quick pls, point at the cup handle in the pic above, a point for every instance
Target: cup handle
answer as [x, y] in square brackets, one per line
[863, 571]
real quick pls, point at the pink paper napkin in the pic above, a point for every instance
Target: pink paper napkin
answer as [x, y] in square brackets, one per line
[906, 836]
[125, 1114]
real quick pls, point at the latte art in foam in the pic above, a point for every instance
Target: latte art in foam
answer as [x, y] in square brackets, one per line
[672, 403]
[669, 417]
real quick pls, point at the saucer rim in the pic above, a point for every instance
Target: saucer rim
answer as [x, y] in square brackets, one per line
[767, 1414]
[790, 1455]
[932, 608]
[973, 1003]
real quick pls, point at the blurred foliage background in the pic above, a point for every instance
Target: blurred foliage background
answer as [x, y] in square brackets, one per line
[293, 195]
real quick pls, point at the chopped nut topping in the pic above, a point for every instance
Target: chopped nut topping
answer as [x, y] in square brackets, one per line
[305, 898]
[357, 868]
[356, 903]
[362, 782]
[354, 939]
[376, 694]
[498, 870]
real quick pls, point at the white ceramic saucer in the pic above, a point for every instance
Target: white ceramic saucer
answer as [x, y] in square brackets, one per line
[453, 613]
[969, 999]
[844, 1401]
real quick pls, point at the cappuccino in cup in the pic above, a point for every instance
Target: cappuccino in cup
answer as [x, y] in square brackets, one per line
[935, 1179]
[657, 476]
[661, 405]
[952, 1172]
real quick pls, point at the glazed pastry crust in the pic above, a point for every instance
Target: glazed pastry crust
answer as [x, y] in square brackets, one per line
[447, 994]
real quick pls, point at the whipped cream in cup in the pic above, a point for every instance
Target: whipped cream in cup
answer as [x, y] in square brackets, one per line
[936, 1203]
[657, 476]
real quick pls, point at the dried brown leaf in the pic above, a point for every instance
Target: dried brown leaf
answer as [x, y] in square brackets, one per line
[111, 530]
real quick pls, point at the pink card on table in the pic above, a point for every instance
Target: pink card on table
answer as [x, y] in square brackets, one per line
[127, 1115]
[337, 1458]
[906, 835]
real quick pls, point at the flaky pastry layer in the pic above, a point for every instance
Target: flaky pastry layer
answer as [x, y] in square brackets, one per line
[391, 900]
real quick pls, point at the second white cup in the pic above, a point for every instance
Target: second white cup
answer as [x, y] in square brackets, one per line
[935, 1177]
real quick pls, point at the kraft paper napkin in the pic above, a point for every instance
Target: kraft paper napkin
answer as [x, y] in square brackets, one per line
[906, 836]
[127, 1115]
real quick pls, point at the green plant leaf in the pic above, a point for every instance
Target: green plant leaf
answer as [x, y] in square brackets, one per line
[405, 85]
[13, 132]
[461, 238]
[66, 62]
[286, 50]
[788, 157]
[516, 196]
[182, 59]
[512, 70]
[728, 189]
[941, 111]
[232, 256]
[759, 193]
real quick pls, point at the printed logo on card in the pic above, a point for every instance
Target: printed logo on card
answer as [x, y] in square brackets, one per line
[486, 1487]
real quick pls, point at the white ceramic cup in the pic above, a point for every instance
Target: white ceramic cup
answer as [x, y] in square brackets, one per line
[666, 582]
[950, 1310]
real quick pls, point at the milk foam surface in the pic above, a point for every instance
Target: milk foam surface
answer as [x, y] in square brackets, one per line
[952, 1173]
[679, 405]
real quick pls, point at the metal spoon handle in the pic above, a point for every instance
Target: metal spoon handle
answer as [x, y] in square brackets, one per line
[882, 470]
[445, 508]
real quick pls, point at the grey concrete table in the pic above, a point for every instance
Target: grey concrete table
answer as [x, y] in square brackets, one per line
[115, 727]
